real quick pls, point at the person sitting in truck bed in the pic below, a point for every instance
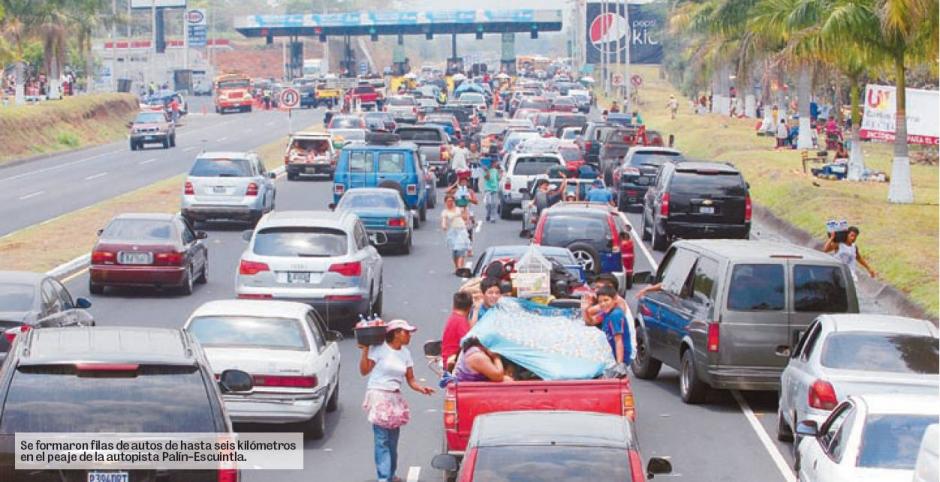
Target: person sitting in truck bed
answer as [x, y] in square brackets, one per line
[478, 364]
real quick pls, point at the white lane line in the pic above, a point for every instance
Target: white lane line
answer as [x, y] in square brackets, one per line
[96, 176]
[53, 168]
[148, 161]
[31, 195]
[221, 139]
[478, 228]
[190, 148]
[637, 241]
[271, 123]
[414, 473]
[764, 438]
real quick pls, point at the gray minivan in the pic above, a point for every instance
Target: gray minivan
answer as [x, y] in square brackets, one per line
[723, 312]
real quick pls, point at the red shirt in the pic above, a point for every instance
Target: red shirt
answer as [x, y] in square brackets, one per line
[455, 329]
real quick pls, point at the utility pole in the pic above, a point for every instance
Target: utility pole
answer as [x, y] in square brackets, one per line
[113, 46]
[153, 40]
[628, 85]
[604, 48]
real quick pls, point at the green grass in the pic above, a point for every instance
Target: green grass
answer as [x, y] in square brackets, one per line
[899, 241]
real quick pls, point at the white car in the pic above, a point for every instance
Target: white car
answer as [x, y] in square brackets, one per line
[926, 469]
[855, 354]
[867, 438]
[522, 168]
[293, 359]
[570, 133]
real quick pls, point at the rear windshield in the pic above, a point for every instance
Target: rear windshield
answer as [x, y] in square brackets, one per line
[535, 104]
[432, 135]
[882, 352]
[570, 120]
[562, 229]
[474, 98]
[364, 89]
[400, 101]
[370, 200]
[154, 399]
[697, 183]
[234, 84]
[345, 122]
[619, 136]
[531, 166]
[249, 332]
[756, 287]
[656, 159]
[893, 441]
[149, 117]
[138, 230]
[570, 153]
[551, 462]
[205, 167]
[819, 289]
[16, 297]
[300, 242]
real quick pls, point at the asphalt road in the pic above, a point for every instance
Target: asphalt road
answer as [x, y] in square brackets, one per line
[717, 441]
[35, 191]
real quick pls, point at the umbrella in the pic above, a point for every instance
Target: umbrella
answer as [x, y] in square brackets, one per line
[587, 79]
[502, 76]
[459, 76]
[469, 86]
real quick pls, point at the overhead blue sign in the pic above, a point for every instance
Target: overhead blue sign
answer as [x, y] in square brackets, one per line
[367, 19]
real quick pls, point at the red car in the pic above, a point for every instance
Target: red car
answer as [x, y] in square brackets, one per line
[564, 104]
[158, 250]
[572, 154]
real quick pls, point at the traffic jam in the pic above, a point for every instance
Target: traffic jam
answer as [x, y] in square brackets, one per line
[583, 265]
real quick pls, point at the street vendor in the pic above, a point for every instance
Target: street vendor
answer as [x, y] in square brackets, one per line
[478, 364]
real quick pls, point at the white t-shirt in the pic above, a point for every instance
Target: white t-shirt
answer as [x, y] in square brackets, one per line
[459, 159]
[390, 367]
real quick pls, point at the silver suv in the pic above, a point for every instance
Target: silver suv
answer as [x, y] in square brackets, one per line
[228, 186]
[321, 258]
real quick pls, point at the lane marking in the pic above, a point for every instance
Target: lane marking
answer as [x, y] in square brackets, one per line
[96, 176]
[57, 166]
[187, 149]
[222, 139]
[639, 242]
[764, 438]
[31, 195]
[148, 161]
[414, 473]
[74, 275]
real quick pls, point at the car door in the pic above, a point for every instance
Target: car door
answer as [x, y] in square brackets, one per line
[754, 321]
[70, 314]
[267, 182]
[195, 249]
[653, 198]
[361, 168]
[820, 458]
[796, 377]
[370, 259]
[676, 313]
[328, 348]
[319, 363]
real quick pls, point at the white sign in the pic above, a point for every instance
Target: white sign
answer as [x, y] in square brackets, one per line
[617, 80]
[196, 16]
[923, 114]
[158, 3]
[290, 98]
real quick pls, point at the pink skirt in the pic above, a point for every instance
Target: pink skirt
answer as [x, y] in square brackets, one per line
[387, 409]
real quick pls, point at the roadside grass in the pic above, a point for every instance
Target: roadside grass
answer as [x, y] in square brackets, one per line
[44, 246]
[58, 125]
[899, 241]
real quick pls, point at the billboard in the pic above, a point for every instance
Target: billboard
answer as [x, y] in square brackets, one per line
[922, 111]
[610, 27]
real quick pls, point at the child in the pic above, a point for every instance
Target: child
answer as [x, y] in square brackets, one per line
[593, 312]
[612, 321]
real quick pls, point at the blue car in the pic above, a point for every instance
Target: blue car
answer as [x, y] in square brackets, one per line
[387, 220]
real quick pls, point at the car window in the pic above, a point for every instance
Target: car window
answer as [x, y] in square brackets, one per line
[362, 237]
[808, 343]
[138, 230]
[819, 289]
[16, 297]
[186, 233]
[58, 398]
[353, 200]
[833, 423]
[562, 230]
[756, 287]
[65, 299]
[391, 162]
[150, 118]
[315, 331]
[248, 332]
[653, 158]
[50, 299]
[812, 330]
[345, 122]
[882, 352]
[532, 166]
[360, 161]
[300, 242]
[431, 135]
[551, 462]
[893, 441]
[840, 439]
[703, 286]
[204, 167]
[697, 183]
[677, 276]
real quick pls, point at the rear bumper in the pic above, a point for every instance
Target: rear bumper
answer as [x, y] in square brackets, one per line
[115, 275]
[707, 230]
[272, 409]
[233, 104]
[150, 137]
[299, 168]
[742, 378]
[333, 305]
[387, 237]
[209, 212]
[632, 194]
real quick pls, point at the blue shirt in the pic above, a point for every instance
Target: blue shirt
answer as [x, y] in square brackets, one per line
[612, 326]
[599, 195]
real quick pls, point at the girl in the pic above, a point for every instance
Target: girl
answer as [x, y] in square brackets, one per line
[454, 223]
[847, 251]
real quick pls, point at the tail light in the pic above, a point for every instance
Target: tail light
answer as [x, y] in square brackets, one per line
[343, 298]
[107, 367]
[284, 381]
[10, 334]
[254, 296]
[168, 259]
[747, 208]
[822, 395]
[615, 236]
[587, 146]
[664, 206]
[636, 466]
[338, 189]
[397, 222]
[411, 189]
[251, 268]
[103, 257]
[188, 189]
[508, 185]
[450, 411]
[228, 475]
[714, 336]
[626, 254]
[252, 189]
[347, 269]
[628, 406]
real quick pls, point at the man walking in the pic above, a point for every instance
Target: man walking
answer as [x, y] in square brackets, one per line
[490, 182]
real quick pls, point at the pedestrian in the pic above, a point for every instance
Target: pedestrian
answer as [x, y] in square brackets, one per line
[266, 95]
[151, 88]
[611, 318]
[847, 251]
[491, 189]
[464, 197]
[545, 197]
[459, 155]
[454, 223]
[636, 119]
[455, 328]
[775, 114]
[673, 105]
[599, 194]
[783, 133]
[389, 365]
[174, 109]
[614, 108]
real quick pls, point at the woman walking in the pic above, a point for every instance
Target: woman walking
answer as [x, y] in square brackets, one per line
[454, 222]
[388, 366]
[847, 251]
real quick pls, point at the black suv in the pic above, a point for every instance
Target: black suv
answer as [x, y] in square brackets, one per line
[114, 379]
[639, 169]
[696, 200]
[592, 137]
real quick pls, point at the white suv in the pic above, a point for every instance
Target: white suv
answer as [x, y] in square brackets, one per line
[521, 168]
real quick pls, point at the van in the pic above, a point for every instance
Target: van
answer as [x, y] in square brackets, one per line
[725, 313]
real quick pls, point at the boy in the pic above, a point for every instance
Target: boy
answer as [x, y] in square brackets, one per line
[612, 321]
[592, 311]
[456, 327]
[492, 292]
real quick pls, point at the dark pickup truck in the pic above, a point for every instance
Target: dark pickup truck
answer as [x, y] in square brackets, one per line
[433, 145]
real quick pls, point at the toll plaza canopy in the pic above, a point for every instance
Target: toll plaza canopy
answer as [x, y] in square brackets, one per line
[395, 23]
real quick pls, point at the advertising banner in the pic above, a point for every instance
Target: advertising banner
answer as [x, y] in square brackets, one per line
[923, 115]
[609, 27]
[196, 27]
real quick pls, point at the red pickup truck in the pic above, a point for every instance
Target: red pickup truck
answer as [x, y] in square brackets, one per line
[366, 95]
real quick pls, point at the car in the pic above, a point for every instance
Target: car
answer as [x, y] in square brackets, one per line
[928, 460]
[540, 104]
[345, 136]
[564, 445]
[564, 104]
[433, 145]
[855, 354]
[389, 223]
[446, 120]
[725, 307]
[473, 99]
[152, 128]
[560, 120]
[152, 380]
[577, 186]
[466, 117]
[308, 95]
[293, 360]
[384, 161]
[379, 121]
[404, 108]
[638, 170]
[231, 186]
[520, 169]
[592, 137]
[515, 252]
[310, 153]
[614, 146]
[36, 300]
[346, 121]
[867, 437]
[149, 249]
[321, 258]
[516, 137]
[596, 234]
[583, 98]
[694, 200]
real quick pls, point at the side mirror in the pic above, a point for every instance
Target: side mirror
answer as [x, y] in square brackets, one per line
[464, 273]
[642, 278]
[333, 335]
[445, 462]
[783, 351]
[432, 348]
[807, 428]
[246, 235]
[235, 381]
[100, 231]
[658, 465]
[272, 175]
[82, 303]
[331, 206]
[201, 235]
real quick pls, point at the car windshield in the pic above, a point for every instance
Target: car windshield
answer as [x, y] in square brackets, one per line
[205, 167]
[138, 230]
[570, 120]
[400, 101]
[653, 159]
[249, 332]
[371, 200]
[58, 398]
[570, 153]
[431, 135]
[149, 118]
[471, 98]
[345, 122]
[531, 166]
[564, 229]
[538, 463]
[300, 242]
[717, 183]
[16, 297]
[882, 352]
[234, 84]
[893, 441]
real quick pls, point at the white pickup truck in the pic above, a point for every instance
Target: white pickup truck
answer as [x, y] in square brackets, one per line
[520, 169]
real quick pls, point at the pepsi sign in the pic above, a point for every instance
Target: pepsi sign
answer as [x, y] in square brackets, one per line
[611, 30]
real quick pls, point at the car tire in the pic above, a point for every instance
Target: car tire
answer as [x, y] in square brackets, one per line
[584, 253]
[416, 222]
[644, 227]
[315, 428]
[784, 433]
[333, 403]
[292, 176]
[204, 274]
[95, 289]
[691, 389]
[659, 242]
[505, 212]
[405, 247]
[644, 366]
[186, 288]
[133, 146]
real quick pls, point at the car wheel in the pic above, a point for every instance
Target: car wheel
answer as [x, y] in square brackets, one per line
[505, 212]
[204, 274]
[333, 403]
[377, 304]
[173, 140]
[587, 257]
[95, 289]
[644, 227]
[186, 287]
[644, 365]
[406, 246]
[423, 213]
[784, 433]
[691, 389]
[292, 176]
[416, 222]
[315, 428]
[660, 243]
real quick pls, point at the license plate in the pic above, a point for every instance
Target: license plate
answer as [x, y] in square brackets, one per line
[706, 209]
[310, 170]
[108, 477]
[298, 277]
[218, 189]
[135, 258]
[148, 138]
